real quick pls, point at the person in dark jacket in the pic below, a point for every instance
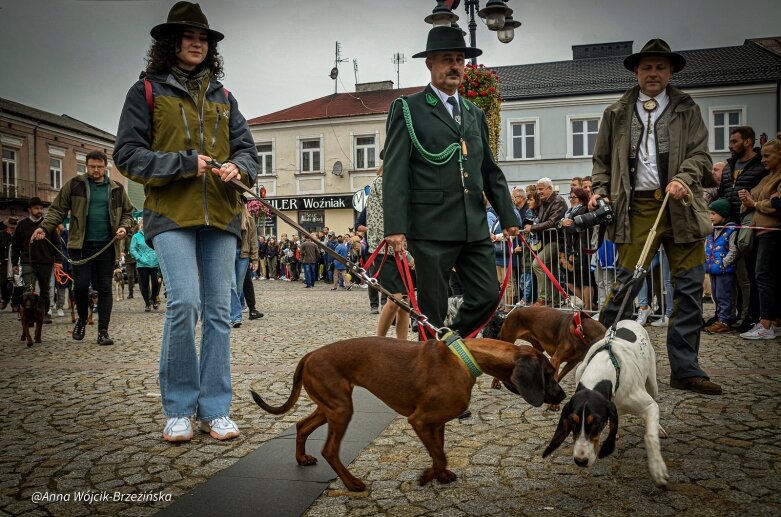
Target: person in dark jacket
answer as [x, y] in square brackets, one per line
[551, 211]
[743, 171]
[6, 237]
[176, 123]
[34, 259]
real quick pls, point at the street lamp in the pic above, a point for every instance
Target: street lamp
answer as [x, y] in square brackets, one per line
[498, 18]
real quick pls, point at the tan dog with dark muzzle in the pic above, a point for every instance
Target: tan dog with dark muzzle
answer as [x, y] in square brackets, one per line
[425, 382]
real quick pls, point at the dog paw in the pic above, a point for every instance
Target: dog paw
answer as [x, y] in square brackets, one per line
[659, 473]
[553, 407]
[29, 344]
[663, 433]
[446, 476]
[427, 476]
[37, 341]
[355, 485]
[496, 384]
[306, 459]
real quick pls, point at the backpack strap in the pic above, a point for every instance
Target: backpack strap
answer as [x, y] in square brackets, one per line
[150, 100]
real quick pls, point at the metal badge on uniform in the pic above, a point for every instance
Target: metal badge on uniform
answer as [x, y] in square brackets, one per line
[658, 194]
[650, 105]
[431, 100]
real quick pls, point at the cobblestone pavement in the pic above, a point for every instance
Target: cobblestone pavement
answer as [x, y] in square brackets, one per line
[82, 419]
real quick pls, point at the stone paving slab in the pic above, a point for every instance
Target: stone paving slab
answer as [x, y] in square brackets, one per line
[84, 422]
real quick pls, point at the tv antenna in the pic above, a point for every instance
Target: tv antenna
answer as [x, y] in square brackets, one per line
[398, 59]
[355, 69]
[337, 59]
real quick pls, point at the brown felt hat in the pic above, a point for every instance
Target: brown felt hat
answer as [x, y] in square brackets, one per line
[185, 14]
[11, 222]
[656, 48]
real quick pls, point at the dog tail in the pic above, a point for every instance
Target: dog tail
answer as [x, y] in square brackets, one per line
[294, 394]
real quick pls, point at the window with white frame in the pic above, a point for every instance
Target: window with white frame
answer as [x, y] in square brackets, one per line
[9, 172]
[265, 158]
[523, 137]
[81, 168]
[365, 152]
[583, 137]
[724, 122]
[55, 173]
[310, 155]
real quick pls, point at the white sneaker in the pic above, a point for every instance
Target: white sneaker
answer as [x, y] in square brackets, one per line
[364, 286]
[178, 429]
[661, 322]
[759, 332]
[60, 313]
[49, 312]
[245, 309]
[221, 428]
[642, 315]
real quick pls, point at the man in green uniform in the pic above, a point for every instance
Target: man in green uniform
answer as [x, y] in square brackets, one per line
[435, 203]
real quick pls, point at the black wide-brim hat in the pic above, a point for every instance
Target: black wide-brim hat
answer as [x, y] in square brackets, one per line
[448, 38]
[185, 14]
[656, 48]
[36, 201]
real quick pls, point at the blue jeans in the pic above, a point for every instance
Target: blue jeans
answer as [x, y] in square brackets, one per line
[721, 287]
[526, 286]
[193, 263]
[309, 275]
[642, 296]
[237, 285]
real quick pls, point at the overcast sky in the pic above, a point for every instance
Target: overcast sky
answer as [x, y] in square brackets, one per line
[79, 57]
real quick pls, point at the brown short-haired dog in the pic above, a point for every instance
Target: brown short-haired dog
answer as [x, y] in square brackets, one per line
[425, 382]
[31, 313]
[549, 330]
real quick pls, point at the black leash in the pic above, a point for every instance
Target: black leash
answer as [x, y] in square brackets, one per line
[355, 269]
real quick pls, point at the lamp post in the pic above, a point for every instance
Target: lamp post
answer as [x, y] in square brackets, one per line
[498, 18]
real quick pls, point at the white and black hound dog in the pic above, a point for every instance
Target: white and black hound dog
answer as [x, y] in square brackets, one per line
[615, 378]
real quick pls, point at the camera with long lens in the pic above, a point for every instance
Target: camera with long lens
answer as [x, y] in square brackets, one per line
[602, 215]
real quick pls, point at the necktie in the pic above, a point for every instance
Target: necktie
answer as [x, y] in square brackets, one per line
[456, 110]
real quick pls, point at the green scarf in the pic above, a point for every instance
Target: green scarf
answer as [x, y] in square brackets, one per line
[192, 81]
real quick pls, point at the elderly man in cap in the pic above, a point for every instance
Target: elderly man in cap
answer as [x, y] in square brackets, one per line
[34, 259]
[435, 203]
[653, 142]
[7, 229]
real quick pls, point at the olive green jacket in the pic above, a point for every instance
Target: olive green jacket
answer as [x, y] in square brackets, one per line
[74, 198]
[158, 146]
[425, 201]
[613, 173]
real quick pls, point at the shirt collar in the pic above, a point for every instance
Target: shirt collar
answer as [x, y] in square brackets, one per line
[444, 96]
[661, 98]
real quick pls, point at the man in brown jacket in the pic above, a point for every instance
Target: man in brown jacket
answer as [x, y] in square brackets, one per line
[651, 142]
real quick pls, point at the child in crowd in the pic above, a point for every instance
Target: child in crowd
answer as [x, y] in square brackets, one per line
[340, 270]
[721, 254]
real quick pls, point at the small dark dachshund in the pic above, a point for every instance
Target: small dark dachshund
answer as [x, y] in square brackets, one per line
[31, 313]
[93, 304]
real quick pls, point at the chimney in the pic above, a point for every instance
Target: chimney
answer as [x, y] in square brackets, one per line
[615, 49]
[371, 87]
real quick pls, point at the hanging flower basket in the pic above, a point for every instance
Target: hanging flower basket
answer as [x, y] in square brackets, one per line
[482, 86]
[259, 211]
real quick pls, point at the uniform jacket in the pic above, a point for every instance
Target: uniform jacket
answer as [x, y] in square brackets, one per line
[74, 198]
[426, 201]
[689, 161]
[751, 175]
[161, 152]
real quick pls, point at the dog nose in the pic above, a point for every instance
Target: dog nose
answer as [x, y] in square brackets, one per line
[581, 462]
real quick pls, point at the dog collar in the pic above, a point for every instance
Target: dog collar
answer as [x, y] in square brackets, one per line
[454, 343]
[613, 359]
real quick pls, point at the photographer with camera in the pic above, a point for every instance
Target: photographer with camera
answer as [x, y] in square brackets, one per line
[653, 141]
[575, 247]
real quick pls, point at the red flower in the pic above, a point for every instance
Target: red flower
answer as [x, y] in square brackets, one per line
[491, 89]
[471, 93]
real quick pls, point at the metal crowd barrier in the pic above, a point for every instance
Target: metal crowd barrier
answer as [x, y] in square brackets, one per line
[583, 270]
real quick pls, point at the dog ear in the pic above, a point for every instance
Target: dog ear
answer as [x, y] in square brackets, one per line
[528, 377]
[562, 431]
[609, 445]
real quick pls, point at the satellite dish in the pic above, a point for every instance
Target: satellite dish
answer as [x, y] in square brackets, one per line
[337, 171]
[334, 73]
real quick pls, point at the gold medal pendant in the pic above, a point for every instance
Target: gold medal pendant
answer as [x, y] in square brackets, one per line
[658, 194]
[650, 105]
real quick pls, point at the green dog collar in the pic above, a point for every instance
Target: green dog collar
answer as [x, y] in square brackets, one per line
[456, 345]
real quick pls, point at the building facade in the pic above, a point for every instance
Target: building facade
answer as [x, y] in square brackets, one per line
[40, 152]
[316, 158]
[552, 111]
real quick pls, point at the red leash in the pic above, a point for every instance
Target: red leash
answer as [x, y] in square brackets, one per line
[545, 269]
